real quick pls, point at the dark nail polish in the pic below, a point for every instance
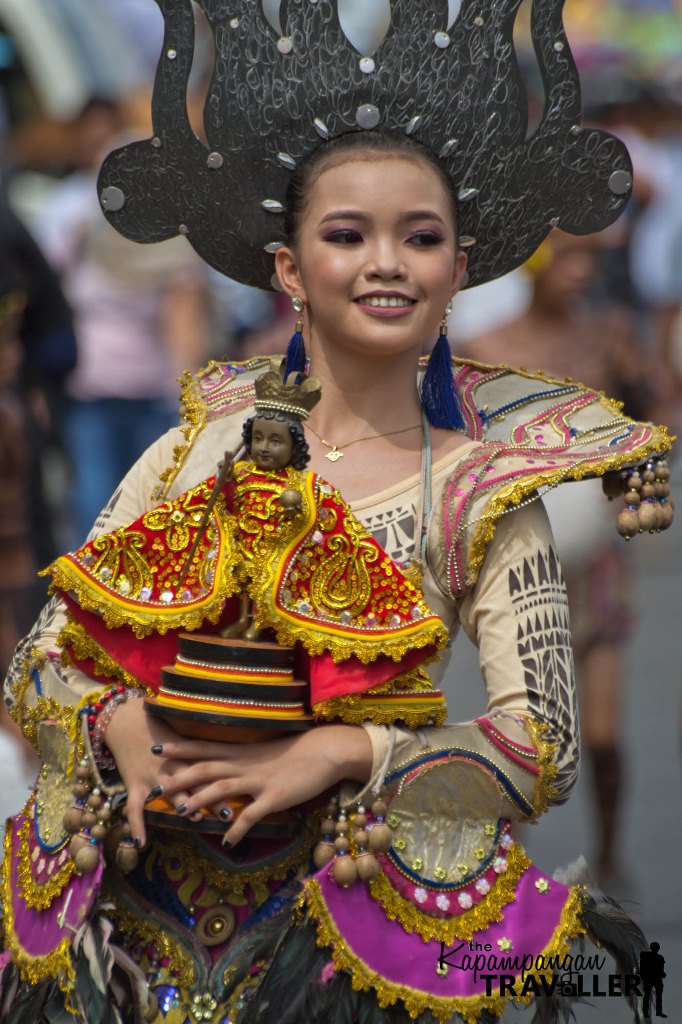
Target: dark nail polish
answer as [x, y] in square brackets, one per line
[137, 842]
[156, 791]
[157, 748]
[227, 844]
[181, 808]
[225, 813]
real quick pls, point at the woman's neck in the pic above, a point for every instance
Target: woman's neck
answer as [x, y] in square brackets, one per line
[361, 393]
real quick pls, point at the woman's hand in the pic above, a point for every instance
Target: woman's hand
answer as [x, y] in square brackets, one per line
[277, 774]
[130, 735]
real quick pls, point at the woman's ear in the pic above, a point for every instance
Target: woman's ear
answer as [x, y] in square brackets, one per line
[288, 275]
[459, 276]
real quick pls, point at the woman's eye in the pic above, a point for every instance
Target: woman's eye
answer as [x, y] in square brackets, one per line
[346, 236]
[425, 238]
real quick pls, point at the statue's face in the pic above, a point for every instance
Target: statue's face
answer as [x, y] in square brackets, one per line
[271, 444]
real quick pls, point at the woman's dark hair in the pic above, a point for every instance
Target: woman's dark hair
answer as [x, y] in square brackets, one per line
[326, 154]
[300, 456]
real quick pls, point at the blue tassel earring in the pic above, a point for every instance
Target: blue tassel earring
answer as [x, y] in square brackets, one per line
[296, 354]
[438, 390]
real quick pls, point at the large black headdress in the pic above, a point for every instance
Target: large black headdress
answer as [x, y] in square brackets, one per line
[273, 98]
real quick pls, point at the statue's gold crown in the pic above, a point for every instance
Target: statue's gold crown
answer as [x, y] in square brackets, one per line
[290, 396]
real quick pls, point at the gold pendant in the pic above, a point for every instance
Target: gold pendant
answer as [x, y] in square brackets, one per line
[334, 455]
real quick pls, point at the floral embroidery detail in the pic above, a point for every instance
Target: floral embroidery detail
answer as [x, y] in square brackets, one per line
[506, 842]
[505, 944]
[442, 902]
[420, 894]
[499, 865]
[482, 886]
[465, 901]
[542, 885]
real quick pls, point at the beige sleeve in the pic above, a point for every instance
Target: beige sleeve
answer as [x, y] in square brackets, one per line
[37, 683]
[517, 615]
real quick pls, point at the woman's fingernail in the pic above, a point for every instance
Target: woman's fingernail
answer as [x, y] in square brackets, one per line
[181, 808]
[226, 842]
[225, 813]
[157, 748]
[197, 816]
[137, 843]
[156, 791]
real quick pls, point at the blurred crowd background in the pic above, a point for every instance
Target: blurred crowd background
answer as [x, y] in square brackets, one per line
[95, 330]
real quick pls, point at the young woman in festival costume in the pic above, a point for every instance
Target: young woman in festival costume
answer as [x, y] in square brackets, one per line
[373, 248]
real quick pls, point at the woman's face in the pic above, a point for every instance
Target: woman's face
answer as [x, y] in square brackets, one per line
[375, 260]
[271, 444]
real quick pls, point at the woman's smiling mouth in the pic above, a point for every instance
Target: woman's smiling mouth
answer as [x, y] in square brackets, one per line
[386, 304]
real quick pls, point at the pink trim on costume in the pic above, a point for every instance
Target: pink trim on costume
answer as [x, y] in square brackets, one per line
[571, 405]
[502, 743]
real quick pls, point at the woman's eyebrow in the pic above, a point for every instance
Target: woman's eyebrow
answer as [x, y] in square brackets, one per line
[409, 215]
[344, 215]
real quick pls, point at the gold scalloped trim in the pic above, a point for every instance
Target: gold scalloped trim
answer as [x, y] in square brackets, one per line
[129, 923]
[29, 716]
[545, 790]
[34, 969]
[512, 495]
[230, 884]
[389, 993]
[365, 649]
[34, 895]
[35, 661]
[464, 925]
[355, 709]
[77, 639]
[194, 410]
[69, 579]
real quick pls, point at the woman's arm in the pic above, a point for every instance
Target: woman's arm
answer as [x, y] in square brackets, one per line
[277, 775]
[517, 615]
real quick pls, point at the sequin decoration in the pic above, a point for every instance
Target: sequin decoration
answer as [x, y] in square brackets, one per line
[367, 116]
[620, 183]
[112, 198]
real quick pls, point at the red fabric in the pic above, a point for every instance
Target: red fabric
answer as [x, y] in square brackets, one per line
[145, 658]
[328, 680]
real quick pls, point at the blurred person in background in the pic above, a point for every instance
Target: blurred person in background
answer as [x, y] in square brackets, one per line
[21, 593]
[642, 257]
[48, 355]
[564, 334]
[140, 318]
[656, 249]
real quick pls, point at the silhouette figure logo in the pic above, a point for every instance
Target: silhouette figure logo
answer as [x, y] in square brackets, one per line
[652, 973]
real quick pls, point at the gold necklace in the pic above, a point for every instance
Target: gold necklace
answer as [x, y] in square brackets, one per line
[335, 453]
